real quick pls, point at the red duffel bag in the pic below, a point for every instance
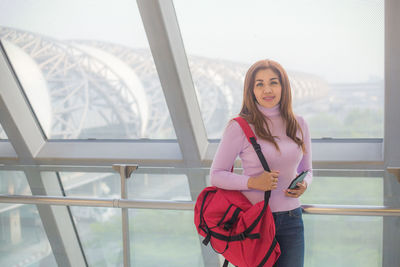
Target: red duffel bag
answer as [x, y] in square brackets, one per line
[243, 233]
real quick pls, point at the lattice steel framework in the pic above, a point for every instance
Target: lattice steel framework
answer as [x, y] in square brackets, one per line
[92, 100]
[81, 87]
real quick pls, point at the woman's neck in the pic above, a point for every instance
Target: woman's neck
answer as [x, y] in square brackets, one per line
[269, 112]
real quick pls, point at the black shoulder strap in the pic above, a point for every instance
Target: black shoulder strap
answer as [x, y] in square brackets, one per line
[251, 137]
[253, 141]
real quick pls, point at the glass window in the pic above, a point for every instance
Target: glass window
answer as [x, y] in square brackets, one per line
[164, 238]
[343, 240]
[150, 186]
[99, 228]
[23, 241]
[91, 184]
[333, 52]
[345, 191]
[86, 69]
[159, 187]
[14, 183]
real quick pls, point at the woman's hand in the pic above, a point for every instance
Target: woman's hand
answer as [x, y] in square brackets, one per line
[297, 192]
[264, 182]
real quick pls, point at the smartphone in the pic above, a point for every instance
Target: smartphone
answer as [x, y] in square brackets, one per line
[299, 178]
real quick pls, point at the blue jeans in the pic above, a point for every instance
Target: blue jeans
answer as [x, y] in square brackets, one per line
[290, 236]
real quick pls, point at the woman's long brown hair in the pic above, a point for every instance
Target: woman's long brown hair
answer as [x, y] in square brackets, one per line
[253, 115]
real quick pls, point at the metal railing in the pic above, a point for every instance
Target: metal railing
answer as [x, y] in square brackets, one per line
[186, 205]
[351, 210]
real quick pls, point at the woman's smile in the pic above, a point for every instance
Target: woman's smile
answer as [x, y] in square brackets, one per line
[268, 98]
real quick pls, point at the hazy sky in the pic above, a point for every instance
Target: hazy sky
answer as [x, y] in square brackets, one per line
[339, 40]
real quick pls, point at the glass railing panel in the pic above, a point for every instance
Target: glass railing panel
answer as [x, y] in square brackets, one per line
[345, 188]
[158, 237]
[23, 241]
[91, 184]
[99, 230]
[162, 186]
[164, 238]
[333, 240]
[149, 184]
[14, 183]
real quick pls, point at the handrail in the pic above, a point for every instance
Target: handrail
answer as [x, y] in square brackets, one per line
[186, 205]
[377, 172]
[97, 202]
[351, 210]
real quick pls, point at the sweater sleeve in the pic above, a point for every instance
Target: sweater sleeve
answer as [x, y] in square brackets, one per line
[306, 161]
[232, 142]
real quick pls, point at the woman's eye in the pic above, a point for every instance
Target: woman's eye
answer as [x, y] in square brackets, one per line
[259, 84]
[274, 83]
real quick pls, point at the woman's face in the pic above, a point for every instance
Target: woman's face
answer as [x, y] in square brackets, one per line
[267, 88]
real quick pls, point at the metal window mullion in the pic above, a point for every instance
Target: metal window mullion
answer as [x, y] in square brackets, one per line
[73, 226]
[106, 153]
[169, 55]
[24, 133]
[391, 233]
[56, 221]
[16, 116]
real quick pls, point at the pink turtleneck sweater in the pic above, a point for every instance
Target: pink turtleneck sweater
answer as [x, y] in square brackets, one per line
[290, 160]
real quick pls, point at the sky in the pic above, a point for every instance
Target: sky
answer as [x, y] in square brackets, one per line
[341, 41]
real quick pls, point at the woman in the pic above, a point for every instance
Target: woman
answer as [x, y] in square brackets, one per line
[285, 142]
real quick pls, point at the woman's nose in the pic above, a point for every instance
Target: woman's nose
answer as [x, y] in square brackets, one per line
[267, 89]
